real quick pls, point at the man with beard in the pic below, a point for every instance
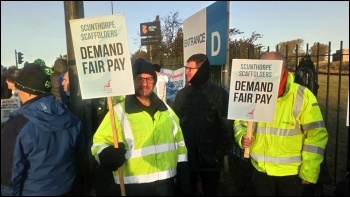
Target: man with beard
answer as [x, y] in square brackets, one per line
[151, 145]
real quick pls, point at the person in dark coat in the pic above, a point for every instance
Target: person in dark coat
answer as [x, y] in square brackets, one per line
[202, 108]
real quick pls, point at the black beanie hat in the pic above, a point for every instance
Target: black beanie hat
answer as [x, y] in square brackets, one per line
[34, 79]
[142, 66]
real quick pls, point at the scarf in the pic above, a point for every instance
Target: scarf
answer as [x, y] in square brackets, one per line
[283, 82]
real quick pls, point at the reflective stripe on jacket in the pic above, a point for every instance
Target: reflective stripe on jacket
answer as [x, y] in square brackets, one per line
[295, 142]
[154, 144]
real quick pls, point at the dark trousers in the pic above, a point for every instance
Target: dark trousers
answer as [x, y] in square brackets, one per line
[157, 188]
[105, 185]
[265, 185]
[210, 181]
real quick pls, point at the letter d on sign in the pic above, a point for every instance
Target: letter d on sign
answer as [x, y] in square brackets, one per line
[214, 35]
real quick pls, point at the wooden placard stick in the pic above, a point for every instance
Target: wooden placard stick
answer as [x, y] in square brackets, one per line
[249, 135]
[115, 138]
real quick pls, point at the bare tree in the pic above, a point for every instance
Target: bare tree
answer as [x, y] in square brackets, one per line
[171, 36]
[291, 47]
[292, 50]
[319, 50]
[239, 47]
[178, 47]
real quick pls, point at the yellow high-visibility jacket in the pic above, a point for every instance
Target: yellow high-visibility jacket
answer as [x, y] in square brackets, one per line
[154, 144]
[294, 143]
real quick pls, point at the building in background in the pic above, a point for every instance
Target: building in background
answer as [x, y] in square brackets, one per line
[336, 56]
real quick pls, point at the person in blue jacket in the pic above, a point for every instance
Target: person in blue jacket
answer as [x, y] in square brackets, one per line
[41, 142]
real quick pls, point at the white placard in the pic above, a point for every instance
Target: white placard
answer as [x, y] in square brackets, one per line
[254, 89]
[102, 56]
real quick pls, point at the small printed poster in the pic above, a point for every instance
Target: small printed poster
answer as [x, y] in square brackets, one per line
[8, 106]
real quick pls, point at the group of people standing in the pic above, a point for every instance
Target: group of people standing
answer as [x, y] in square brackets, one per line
[159, 149]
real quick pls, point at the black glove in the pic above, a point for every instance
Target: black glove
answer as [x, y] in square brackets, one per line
[112, 158]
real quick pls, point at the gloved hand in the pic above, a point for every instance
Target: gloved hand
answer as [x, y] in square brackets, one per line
[112, 158]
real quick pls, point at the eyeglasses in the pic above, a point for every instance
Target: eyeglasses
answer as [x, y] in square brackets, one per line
[149, 80]
[190, 69]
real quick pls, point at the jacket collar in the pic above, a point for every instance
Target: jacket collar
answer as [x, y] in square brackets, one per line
[132, 105]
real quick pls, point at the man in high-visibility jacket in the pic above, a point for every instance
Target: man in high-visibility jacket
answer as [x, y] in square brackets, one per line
[286, 153]
[151, 144]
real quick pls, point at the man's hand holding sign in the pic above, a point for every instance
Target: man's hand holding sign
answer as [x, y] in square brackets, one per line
[289, 134]
[149, 133]
[253, 94]
[104, 67]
